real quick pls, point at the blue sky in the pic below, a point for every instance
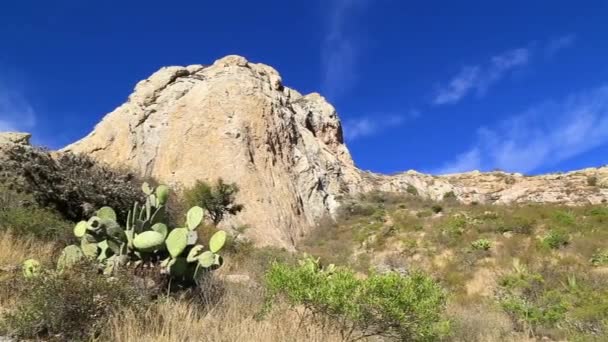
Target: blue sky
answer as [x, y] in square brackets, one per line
[437, 86]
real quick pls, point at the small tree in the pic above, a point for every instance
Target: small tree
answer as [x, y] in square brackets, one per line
[392, 306]
[218, 199]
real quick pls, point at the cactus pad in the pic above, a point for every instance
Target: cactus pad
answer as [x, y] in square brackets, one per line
[194, 217]
[80, 229]
[148, 241]
[217, 241]
[107, 213]
[70, 256]
[207, 259]
[162, 194]
[177, 241]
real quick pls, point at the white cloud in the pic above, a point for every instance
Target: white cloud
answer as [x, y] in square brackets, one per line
[371, 125]
[16, 113]
[543, 135]
[480, 78]
[341, 50]
[560, 43]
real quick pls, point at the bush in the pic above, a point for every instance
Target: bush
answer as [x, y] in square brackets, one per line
[218, 199]
[412, 190]
[74, 185]
[33, 221]
[592, 180]
[600, 258]
[390, 305]
[555, 239]
[437, 208]
[69, 306]
[450, 196]
[481, 245]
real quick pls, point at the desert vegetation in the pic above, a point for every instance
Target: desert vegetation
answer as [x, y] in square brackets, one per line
[391, 267]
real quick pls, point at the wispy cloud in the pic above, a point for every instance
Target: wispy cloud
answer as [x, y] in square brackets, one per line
[479, 78]
[374, 124]
[558, 44]
[543, 135]
[341, 49]
[16, 112]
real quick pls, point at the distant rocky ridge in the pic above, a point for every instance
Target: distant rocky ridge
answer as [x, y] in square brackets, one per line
[236, 120]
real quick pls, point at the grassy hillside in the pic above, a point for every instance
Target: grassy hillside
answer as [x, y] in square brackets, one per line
[509, 273]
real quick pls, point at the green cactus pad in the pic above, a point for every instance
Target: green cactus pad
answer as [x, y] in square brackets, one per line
[130, 235]
[153, 201]
[207, 259]
[177, 241]
[80, 229]
[148, 241]
[162, 194]
[94, 224]
[103, 250]
[31, 268]
[70, 256]
[88, 238]
[217, 241]
[146, 188]
[115, 246]
[195, 217]
[129, 220]
[107, 213]
[194, 253]
[114, 231]
[89, 249]
[161, 228]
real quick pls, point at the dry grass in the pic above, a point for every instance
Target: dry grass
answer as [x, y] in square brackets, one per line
[232, 320]
[13, 251]
[482, 323]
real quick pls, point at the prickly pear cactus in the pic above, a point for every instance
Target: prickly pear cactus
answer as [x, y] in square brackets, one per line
[146, 239]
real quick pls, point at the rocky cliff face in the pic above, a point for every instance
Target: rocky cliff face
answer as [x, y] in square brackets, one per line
[236, 120]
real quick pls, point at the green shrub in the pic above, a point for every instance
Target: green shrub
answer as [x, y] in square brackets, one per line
[600, 258]
[557, 303]
[529, 304]
[69, 306]
[217, 199]
[449, 196]
[564, 218]
[437, 208]
[407, 308]
[516, 224]
[74, 185]
[481, 245]
[33, 221]
[555, 239]
[412, 190]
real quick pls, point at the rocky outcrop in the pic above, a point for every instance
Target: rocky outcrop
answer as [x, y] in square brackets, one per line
[15, 138]
[236, 120]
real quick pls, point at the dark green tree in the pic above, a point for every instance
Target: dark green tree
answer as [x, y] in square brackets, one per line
[217, 199]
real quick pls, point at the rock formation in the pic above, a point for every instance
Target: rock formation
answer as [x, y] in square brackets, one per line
[236, 120]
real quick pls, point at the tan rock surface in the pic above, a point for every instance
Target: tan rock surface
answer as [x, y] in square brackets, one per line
[236, 120]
